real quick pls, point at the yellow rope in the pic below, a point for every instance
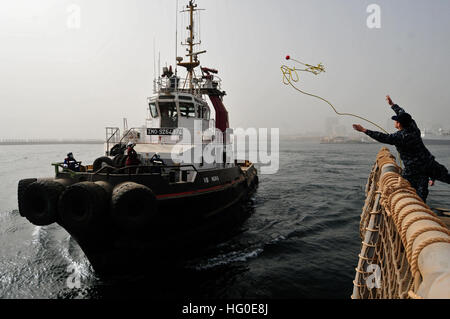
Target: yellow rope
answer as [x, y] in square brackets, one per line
[421, 231]
[418, 250]
[290, 76]
[396, 254]
[413, 295]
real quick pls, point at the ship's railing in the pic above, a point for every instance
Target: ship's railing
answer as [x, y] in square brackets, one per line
[134, 134]
[405, 250]
[198, 83]
[112, 137]
[135, 168]
[62, 167]
[175, 173]
[169, 171]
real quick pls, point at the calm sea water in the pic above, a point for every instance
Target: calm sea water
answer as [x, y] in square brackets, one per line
[301, 241]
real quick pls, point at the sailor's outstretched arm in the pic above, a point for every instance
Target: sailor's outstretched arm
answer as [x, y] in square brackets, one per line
[397, 109]
[392, 139]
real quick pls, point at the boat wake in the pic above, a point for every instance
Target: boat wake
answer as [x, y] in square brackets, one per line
[228, 258]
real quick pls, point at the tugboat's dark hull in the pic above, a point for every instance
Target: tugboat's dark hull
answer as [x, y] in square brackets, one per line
[129, 223]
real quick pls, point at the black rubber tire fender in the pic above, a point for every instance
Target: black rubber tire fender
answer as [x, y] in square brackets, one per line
[98, 163]
[40, 202]
[83, 206]
[118, 149]
[21, 188]
[119, 160]
[115, 150]
[133, 206]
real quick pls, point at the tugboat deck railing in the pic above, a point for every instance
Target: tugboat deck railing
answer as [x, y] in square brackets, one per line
[136, 169]
[138, 130]
[112, 136]
[201, 87]
[107, 168]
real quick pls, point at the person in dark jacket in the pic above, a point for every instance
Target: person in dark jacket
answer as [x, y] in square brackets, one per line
[132, 157]
[71, 163]
[421, 169]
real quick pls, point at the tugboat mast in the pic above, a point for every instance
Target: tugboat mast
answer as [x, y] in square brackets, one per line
[193, 56]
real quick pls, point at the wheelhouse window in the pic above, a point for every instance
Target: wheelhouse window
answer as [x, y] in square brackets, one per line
[153, 110]
[205, 112]
[187, 109]
[169, 114]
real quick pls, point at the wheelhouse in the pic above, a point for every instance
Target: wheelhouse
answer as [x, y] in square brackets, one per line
[178, 110]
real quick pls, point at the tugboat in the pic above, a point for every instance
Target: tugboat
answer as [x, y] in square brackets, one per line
[128, 216]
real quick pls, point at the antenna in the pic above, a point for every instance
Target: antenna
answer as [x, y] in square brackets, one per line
[190, 42]
[125, 124]
[154, 60]
[199, 28]
[176, 36]
[154, 66]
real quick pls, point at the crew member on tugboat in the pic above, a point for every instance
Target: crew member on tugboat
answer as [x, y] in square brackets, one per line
[132, 158]
[71, 163]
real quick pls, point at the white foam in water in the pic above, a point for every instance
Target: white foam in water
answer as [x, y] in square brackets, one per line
[234, 256]
[81, 269]
[277, 239]
[36, 235]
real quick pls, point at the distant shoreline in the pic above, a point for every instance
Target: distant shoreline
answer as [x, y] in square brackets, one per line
[282, 137]
[50, 142]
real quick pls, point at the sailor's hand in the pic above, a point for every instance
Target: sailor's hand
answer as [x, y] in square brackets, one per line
[359, 128]
[389, 100]
[431, 183]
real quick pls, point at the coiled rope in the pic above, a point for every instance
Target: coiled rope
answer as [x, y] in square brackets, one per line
[291, 76]
[394, 240]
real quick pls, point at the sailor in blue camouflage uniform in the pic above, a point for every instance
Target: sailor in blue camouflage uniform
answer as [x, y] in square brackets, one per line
[420, 167]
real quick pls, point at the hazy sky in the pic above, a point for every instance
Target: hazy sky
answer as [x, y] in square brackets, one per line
[57, 81]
